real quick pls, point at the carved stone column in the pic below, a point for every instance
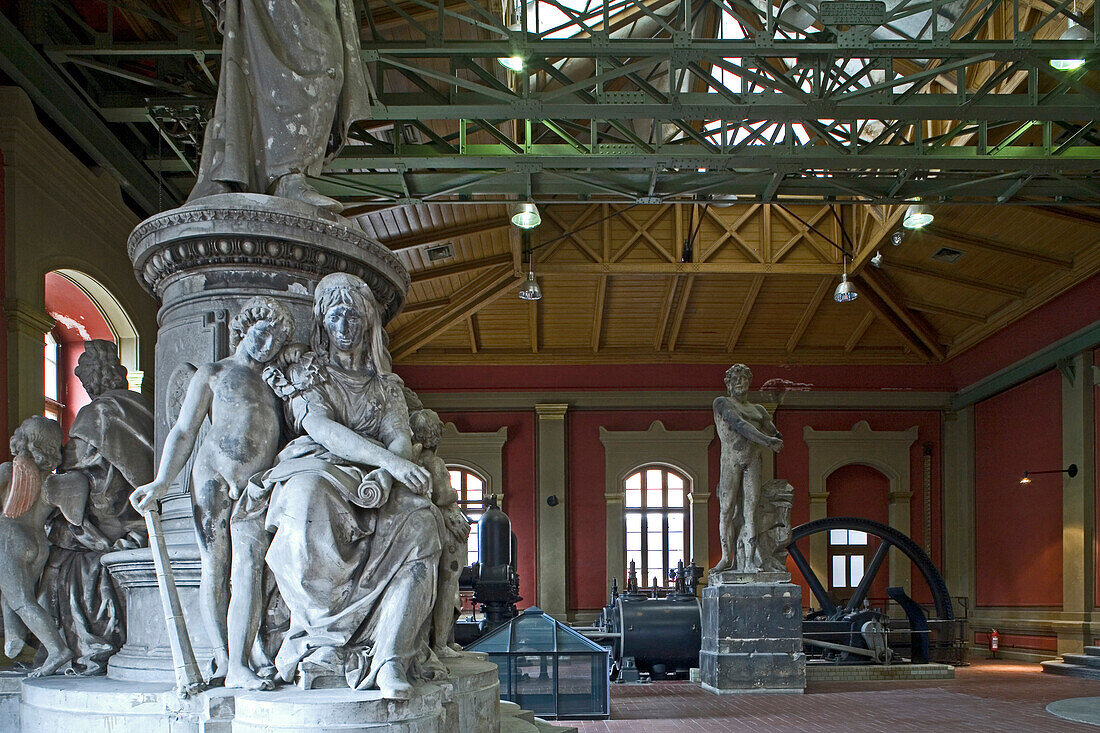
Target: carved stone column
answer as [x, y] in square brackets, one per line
[203, 261]
[552, 520]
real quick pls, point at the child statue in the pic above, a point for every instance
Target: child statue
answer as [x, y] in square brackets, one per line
[36, 447]
[427, 430]
[243, 440]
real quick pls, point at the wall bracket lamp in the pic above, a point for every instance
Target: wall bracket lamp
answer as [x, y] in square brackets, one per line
[1071, 471]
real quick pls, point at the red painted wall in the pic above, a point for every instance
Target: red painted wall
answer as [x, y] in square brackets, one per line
[78, 320]
[519, 483]
[649, 377]
[1096, 475]
[1018, 528]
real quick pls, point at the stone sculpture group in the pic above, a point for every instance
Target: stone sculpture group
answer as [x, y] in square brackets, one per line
[56, 527]
[344, 515]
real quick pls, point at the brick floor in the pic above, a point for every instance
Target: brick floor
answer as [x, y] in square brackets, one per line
[988, 696]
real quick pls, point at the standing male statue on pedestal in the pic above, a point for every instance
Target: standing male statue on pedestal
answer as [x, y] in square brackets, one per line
[751, 612]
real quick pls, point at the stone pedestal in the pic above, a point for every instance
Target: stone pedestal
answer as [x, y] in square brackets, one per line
[146, 656]
[203, 261]
[467, 701]
[10, 690]
[752, 634]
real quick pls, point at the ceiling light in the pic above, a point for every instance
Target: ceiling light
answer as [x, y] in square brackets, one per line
[877, 259]
[512, 63]
[530, 289]
[722, 200]
[917, 216]
[897, 237]
[526, 215]
[1072, 33]
[845, 292]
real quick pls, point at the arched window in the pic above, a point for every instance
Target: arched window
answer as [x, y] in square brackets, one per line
[471, 498]
[655, 521]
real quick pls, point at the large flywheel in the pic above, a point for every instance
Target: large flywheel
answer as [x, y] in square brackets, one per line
[840, 626]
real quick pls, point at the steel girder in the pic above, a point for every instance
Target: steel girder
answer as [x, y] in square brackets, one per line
[951, 101]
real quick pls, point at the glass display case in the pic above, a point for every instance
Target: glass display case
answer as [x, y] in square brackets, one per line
[549, 668]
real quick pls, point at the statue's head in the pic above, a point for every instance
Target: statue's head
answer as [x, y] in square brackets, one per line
[264, 325]
[99, 369]
[738, 379]
[346, 316]
[427, 428]
[39, 439]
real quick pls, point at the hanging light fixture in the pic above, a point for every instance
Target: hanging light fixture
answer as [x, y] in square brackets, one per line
[526, 215]
[845, 292]
[1073, 32]
[530, 289]
[917, 216]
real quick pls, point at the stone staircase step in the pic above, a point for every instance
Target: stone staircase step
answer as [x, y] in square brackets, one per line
[548, 727]
[1093, 651]
[1071, 670]
[1085, 660]
[509, 724]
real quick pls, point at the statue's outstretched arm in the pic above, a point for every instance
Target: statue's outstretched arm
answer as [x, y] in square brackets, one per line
[180, 441]
[742, 426]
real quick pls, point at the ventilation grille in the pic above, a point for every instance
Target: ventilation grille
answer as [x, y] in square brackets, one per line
[947, 254]
[440, 252]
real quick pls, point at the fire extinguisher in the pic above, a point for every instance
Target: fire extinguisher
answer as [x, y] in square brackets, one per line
[994, 642]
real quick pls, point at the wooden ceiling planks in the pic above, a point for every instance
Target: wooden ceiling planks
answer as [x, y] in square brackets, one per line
[616, 291]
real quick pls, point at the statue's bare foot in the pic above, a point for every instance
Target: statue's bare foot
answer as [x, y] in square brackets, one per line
[392, 683]
[294, 186]
[54, 662]
[724, 564]
[446, 652]
[245, 679]
[13, 647]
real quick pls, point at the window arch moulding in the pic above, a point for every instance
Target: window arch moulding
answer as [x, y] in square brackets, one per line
[883, 450]
[482, 453]
[625, 451]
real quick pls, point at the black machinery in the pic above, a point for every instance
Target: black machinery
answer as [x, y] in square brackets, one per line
[650, 634]
[661, 635]
[493, 579]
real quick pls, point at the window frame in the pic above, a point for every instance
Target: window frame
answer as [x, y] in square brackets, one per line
[467, 505]
[645, 512]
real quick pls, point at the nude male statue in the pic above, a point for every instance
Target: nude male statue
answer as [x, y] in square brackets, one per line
[744, 429]
[243, 440]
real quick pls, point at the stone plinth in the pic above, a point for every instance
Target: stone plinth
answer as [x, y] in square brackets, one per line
[466, 702]
[752, 634]
[146, 656]
[10, 691]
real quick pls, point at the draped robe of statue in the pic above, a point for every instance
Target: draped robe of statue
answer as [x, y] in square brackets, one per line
[351, 576]
[111, 445]
[292, 82]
